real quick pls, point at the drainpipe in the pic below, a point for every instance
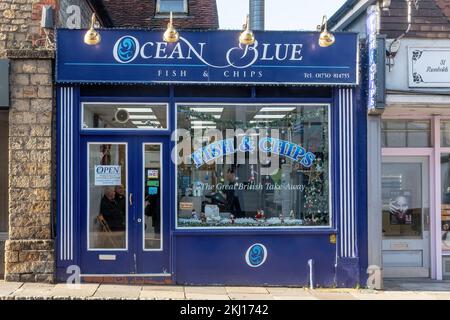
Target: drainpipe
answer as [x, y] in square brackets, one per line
[256, 15]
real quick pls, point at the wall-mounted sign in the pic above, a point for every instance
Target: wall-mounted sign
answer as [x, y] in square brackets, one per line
[376, 62]
[108, 175]
[429, 67]
[129, 56]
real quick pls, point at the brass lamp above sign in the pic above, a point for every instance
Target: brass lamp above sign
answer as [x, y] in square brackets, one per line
[428, 67]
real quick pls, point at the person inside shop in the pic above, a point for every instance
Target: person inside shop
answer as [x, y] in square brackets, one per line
[110, 211]
[152, 209]
[120, 199]
[232, 200]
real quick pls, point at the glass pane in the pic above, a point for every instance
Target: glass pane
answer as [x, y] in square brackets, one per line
[108, 206]
[171, 5]
[405, 133]
[253, 166]
[445, 195]
[445, 133]
[124, 116]
[152, 200]
[402, 200]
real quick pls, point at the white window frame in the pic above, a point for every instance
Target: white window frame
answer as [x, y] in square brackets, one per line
[158, 8]
[124, 104]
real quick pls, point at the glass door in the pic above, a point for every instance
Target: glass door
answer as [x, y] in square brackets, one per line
[124, 204]
[405, 216]
[152, 229]
[106, 211]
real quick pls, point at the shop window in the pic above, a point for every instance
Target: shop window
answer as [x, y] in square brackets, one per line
[445, 196]
[175, 6]
[405, 133]
[253, 165]
[445, 133]
[113, 116]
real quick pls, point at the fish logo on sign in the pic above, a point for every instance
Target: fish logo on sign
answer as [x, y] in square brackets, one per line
[256, 255]
[126, 49]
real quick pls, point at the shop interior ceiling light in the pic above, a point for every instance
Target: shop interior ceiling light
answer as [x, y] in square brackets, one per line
[143, 116]
[171, 35]
[139, 110]
[216, 116]
[247, 37]
[269, 116]
[202, 122]
[92, 37]
[277, 109]
[204, 127]
[326, 38]
[212, 110]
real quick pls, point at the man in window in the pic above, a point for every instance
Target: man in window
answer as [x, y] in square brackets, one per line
[232, 200]
[110, 211]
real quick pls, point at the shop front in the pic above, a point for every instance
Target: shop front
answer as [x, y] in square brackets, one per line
[415, 156]
[210, 162]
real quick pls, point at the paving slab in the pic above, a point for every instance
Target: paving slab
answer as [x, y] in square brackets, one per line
[440, 295]
[161, 295]
[402, 295]
[250, 296]
[163, 288]
[201, 296]
[62, 290]
[425, 286]
[332, 295]
[246, 290]
[34, 290]
[7, 288]
[289, 292]
[205, 290]
[297, 297]
[118, 291]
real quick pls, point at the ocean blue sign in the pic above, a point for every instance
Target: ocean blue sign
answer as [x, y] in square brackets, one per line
[130, 56]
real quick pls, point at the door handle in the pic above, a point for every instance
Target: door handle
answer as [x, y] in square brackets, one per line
[130, 197]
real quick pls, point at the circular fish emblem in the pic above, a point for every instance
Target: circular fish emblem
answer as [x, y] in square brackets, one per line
[126, 49]
[256, 255]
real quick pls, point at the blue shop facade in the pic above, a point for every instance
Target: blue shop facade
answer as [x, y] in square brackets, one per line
[210, 162]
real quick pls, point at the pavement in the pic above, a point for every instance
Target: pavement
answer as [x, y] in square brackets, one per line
[394, 290]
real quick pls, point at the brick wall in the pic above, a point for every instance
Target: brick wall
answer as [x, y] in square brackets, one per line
[30, 248]
[430, 20]
[202, 14]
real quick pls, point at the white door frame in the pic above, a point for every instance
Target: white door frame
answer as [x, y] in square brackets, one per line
[425, 158]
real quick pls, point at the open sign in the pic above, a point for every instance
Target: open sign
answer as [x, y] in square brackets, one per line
[108, 175]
